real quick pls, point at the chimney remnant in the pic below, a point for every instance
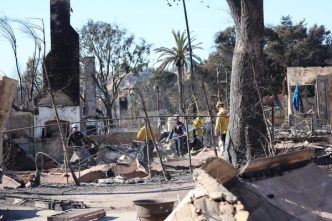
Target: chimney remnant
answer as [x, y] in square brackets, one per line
[62, 62]
[90, 87]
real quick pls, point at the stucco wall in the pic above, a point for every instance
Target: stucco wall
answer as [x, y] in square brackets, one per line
[68, 113]
[303, 76]
[53, 146]
[20, 120]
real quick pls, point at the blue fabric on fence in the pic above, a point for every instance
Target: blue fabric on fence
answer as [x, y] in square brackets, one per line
[296, 98]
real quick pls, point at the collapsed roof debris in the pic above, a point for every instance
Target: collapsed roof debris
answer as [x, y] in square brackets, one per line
[277, 188]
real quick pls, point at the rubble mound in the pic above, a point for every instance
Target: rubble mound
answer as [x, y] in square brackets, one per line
[209, 200]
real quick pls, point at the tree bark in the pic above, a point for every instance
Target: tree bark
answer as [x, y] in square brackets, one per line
[109, 113]
[180, 89]
[247, 69]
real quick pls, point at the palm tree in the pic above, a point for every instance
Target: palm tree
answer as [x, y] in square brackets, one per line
[178, 56]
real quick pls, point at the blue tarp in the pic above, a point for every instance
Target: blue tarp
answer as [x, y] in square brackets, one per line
[297, 101]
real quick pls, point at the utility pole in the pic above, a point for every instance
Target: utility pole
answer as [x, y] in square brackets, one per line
[190, 48]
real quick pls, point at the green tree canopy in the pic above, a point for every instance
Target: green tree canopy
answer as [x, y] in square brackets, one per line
[294, 45]
[285, 45]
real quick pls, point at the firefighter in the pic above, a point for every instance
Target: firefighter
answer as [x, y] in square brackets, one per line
[221, 127]
[178, 135]
[147, 140]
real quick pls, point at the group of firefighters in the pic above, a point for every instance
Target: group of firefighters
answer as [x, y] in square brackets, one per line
[178, 134]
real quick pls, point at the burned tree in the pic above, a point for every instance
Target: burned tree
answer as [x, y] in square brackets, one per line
[246, 114]
[117, 56]
[29, 81]
[7, 32]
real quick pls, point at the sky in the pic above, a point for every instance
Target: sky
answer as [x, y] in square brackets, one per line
[152, 20]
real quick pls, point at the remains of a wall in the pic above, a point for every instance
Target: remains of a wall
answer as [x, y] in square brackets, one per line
[18, 120]
[90, 87]
[116, 137]
[7, 94]
[62, 62]
[62, 69]
[68, 113]
[53, 146]
[329, 103]
[23, 137]
[303, 76]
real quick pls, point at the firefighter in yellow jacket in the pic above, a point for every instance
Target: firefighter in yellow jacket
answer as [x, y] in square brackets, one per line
[221, 126]
[198, 127]
[147, 137]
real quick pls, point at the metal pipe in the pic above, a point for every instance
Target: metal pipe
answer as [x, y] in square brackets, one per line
[188, 145]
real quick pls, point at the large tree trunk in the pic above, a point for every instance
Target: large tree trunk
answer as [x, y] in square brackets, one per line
[180, 89]
[247, 131]
[109, 113]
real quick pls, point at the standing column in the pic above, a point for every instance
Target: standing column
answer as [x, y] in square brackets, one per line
[90, 86]
[7, 94]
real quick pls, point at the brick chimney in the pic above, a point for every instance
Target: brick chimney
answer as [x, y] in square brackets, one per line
[62, 62]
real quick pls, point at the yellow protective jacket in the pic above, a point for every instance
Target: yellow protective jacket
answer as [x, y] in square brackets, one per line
[198, 123]
[221, 122]
[141, 135]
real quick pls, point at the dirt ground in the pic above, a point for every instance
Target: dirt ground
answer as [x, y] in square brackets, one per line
[117, 200]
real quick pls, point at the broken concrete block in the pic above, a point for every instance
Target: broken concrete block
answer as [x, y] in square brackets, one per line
[207, 186]
[241, 215]
[119, 179]
[106, 181]
[28, 185]
[207, 201]
[124, 159]
[226, 217]
[219, 169]
[23, 178]
[93, 174]
[129, 171]
[111, 155]
[226, 208]
[9, 183]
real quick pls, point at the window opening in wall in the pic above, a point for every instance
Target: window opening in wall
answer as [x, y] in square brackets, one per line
[52, 130]
[308, 104]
